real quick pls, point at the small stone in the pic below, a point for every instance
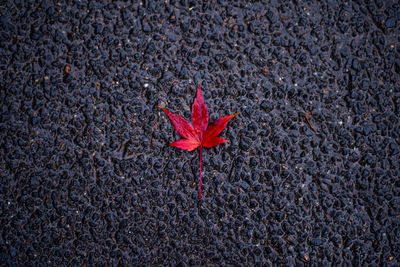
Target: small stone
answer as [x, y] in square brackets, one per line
[391, 22]
[172, 37]
[366, 130]
[316, 242]
[266, 106]
[344, 52]
[265, 40]
[244, 185]
[146, 27]
[355, 65]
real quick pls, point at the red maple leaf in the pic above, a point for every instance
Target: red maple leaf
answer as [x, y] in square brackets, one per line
[198, 135]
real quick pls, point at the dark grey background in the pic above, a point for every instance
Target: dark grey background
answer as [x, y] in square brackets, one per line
[86, 173]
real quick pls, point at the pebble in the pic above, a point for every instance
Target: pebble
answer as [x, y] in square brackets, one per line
[316, 242]
[391, 22]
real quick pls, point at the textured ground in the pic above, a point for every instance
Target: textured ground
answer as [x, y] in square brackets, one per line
[311, 172]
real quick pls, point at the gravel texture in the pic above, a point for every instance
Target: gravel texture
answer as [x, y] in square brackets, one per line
[310, 175]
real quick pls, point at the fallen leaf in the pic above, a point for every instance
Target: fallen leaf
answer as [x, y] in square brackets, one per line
[199, 134]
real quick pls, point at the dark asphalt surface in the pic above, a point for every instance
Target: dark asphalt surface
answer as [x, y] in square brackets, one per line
[310, 175]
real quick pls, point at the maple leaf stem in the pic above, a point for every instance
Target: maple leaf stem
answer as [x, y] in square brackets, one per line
[201, 152]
